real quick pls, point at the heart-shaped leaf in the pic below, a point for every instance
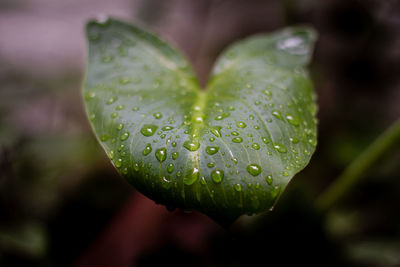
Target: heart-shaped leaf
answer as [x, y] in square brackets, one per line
[225, 151]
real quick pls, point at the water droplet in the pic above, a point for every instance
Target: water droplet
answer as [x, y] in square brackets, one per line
[120, 126]
[157, 115]
[256, 127]
[269, 179]
[104, 137]
[241, 124]
[294, 140]
[166, 183]
[191, 145]
[161, 154]
[277, 114]
[178, 174]
[124, 136]
[120, 107]
[118, 163]
[124, 80]
[254, 169]
[175, 155]
[148, 129]
[255, 146]
[312, 141]
[237, 139]
[293, 120]
[111, 154]
[267, 93]
[235, 161]
[217, 176]
[265, 140]
[212, 139]
[293, 45]
[111, 100]
[211, 150]
[114, 115]
[222, 116]
[170, 168]
[147, 149]
[173, 144]
[135, 109]
[167, 128]
[237, 187]
[251, 117]
[92, 117]
[280, 148]
[216, 131]
[275, 191]
[136, 167]
[191, 177]
[210, 164]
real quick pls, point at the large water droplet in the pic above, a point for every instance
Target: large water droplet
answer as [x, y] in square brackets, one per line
[148, 129]
[277, 114]
[280, 148]
[217, 176]
[170, 168]
[191, 177]
[175, 155]
[120, 126]
[237, 187]
[191, 145]
[254, 169]
[211, 150]
[269, 179]
[124, 136]
[237, 139]
[241, 124]
[222, 116]
[161, 154]
[216, 130]
[147, 149]
[255, 146]
[293, 120]
[167, 128]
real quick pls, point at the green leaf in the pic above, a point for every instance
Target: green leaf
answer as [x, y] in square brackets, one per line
[225, 151]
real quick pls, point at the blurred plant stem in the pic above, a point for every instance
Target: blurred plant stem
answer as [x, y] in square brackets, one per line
[388, 140]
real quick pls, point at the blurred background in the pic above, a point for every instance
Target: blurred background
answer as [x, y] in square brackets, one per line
[63, 204]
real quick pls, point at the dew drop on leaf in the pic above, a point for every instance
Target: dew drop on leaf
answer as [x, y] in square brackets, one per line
[161, 154]
[280, 148]
[254, 169]
[217, 176]
[191, 177]
[148, 129]
[211, 150]
[237, 139]
[147, 149]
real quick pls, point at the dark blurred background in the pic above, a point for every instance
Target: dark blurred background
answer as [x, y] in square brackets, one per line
[63, 204]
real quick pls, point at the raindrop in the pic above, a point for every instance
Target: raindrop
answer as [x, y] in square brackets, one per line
[255, 146]
[111, 100]
[211, 150]
[161, 154]
[210, 164]
[254, 169]
[217, 176]
[175, 155]
[147, 149]
[237, 139]
[241, 124]
[167, 128]
[124, 80]
[124, 136]
[118, 163]
[293, 120]
[120, 126]
[120, 107]
[237, 187]
[222, 116]
[277, 114]
[104, 137]
[191, 145]
[216, 131]
[148, 129]
[269, 179]
[192, 176]
[170, 168]
[280, 148]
